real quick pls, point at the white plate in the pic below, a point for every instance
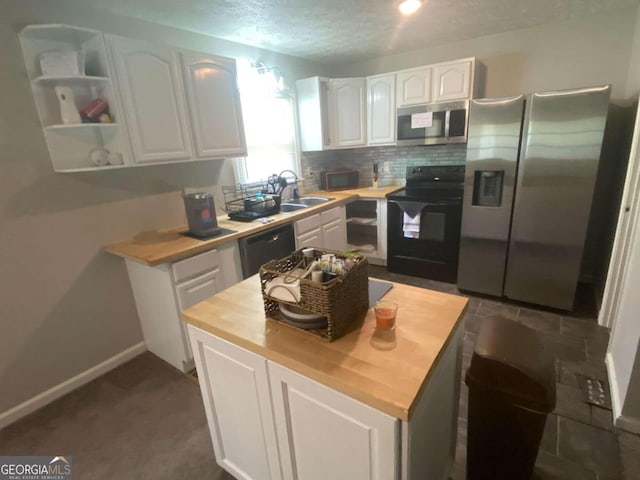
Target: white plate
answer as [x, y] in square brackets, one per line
[306, 325]
[298, 315]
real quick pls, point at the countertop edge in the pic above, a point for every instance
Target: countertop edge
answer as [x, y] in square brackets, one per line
[344, 196]
[299, 367]
[397, 411]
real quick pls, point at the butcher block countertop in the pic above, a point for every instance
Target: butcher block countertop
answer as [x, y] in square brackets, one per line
[156, 247]
[365, 192]
[385, 370]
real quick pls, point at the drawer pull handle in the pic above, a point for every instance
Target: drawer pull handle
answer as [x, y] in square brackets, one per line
[200, 286]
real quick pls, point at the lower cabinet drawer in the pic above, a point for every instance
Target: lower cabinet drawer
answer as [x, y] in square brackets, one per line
[330, 215]
[307, 224]
[198, 289]
[195, 265]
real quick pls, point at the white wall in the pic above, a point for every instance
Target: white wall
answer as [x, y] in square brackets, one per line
[576, 53]
[633, 76]
[623, 346]
[65, 305]
[623, 355]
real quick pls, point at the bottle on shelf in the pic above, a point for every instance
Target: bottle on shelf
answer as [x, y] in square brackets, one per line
[68, 110]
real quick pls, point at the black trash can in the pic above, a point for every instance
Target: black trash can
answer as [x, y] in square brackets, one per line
[512, 389]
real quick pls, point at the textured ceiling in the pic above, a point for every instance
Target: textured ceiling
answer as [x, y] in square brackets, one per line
[339, 31]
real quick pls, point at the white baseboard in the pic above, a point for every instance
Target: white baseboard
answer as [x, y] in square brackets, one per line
[616, 407]
[57, 391]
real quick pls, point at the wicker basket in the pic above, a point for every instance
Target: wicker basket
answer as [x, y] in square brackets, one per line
[342, 300]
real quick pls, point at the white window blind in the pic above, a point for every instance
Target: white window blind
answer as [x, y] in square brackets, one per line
[269, 126]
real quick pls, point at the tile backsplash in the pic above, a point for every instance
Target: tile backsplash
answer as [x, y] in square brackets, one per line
[392, 161]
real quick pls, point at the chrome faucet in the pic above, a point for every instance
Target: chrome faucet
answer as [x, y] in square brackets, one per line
[285, 181]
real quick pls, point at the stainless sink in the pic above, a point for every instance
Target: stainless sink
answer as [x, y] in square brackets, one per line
[302, 202]
[291, 207]
[312, 201]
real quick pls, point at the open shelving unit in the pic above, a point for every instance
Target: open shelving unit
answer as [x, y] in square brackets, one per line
[70, 145]
[366, 229]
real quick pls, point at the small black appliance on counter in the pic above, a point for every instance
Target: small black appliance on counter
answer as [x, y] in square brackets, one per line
[334, 180]
[201, 215]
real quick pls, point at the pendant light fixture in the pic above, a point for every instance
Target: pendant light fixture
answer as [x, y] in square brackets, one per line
[408, 7]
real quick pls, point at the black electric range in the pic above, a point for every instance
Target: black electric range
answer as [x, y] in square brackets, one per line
[423, 223]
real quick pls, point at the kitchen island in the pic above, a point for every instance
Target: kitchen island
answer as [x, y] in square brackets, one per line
[169, 272]
[282, 403]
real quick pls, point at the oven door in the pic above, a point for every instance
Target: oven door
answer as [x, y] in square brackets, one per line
[432, 251]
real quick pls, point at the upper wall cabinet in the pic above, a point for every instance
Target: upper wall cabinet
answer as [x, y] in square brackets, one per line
[381, 110]
[164, 105]
[313, 113]
[214, 104]
[452, 80]
[76, 72]
[348, 109]
[331, 113]
[151, 89]
[413, 86]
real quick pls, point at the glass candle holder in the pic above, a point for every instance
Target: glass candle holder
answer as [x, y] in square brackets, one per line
[386, 312]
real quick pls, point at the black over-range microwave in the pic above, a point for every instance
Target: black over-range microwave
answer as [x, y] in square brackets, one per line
[432, 124]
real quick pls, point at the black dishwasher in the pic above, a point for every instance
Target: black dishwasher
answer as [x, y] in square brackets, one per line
[258, 249]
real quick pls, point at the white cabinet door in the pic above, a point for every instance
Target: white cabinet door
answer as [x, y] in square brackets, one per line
[235, 390]
[324, 434]
[312, 238]
[148, 77]
[348, 112]
[195, 291]
[308, 232]
[214, 105]
[413, 86]
[198, 289]
[230, 265]
[452, 81]
[334, 228]
[334, 235]
[381, 110]
[313, 114]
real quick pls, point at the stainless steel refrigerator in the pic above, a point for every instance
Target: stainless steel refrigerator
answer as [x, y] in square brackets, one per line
[529, 180]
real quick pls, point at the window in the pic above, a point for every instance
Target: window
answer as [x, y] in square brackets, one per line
[268, 112]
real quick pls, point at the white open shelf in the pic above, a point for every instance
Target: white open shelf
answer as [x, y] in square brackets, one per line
[366, 248]
[70, 80]
[58, 32]
[83, 126]
[366, 229]
[70, 144]
[363, 221]
[91, 169]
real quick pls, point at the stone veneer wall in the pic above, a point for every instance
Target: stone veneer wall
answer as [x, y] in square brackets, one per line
[392, 161]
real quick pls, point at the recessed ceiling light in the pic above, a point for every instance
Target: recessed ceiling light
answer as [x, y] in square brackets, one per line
[407, 7]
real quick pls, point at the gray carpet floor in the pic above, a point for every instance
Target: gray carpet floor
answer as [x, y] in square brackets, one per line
[142, 420]
[146, 420]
